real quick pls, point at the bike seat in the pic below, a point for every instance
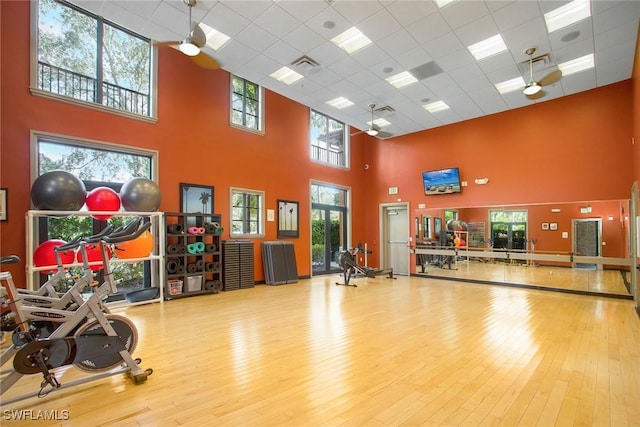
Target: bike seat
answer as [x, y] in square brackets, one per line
[11, 259]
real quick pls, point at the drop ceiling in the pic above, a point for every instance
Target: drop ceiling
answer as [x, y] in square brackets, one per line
[406, 35]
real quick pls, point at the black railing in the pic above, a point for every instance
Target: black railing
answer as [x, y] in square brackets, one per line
[78, 86]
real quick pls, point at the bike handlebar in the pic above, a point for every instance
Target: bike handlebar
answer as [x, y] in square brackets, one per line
[11, 259]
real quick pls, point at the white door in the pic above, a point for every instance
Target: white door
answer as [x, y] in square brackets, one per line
[394, 222]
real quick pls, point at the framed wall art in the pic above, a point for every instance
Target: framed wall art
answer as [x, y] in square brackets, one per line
[3, 204]
[196, 198]
[288, 219]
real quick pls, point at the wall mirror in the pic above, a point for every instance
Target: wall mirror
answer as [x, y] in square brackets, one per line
[580, 247]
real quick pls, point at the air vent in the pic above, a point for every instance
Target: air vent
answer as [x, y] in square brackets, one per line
[425, 71]
[305, 65]
[385, 111]
[539, 63]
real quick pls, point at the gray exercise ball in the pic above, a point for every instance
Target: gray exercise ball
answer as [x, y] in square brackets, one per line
[140, 195]
[58, 191]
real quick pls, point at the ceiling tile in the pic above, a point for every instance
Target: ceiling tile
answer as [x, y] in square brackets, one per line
[277, 22]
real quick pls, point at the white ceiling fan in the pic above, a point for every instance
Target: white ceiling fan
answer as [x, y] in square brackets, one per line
[374, 130]
[533, 89]
[193, 43]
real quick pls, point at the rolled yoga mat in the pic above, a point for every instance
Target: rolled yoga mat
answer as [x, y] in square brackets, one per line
[213, 285]
[210, 248]
[172, 266]
[191, 268]
[182, 249]
[181, 269]
[196, 230]
[214, 228]
[173, 249]
[174, 228]
[200, 265]
[213, 267]
[195, 248]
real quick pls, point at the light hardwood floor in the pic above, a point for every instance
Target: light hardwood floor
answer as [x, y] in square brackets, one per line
[411, 351]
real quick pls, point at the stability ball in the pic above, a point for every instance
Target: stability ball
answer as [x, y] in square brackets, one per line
[140, 195]
[45, 254]
[140, 247]
[58, 191]
[94, 254]
[103, 199]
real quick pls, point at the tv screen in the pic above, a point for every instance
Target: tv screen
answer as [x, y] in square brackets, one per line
[441, 181]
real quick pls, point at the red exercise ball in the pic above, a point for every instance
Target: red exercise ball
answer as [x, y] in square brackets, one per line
[94, 254]
[45, 254]
[103, 199]
[140, 247]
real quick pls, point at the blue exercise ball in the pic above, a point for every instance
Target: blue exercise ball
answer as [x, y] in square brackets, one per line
[140, 195]
[58, 191]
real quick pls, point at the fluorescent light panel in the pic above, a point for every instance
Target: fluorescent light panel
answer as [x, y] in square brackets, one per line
[401, 79]
[380, 122]
[434, 107]
[510, 85]
[568, 14]
[351, 40]
[286, 75]
[487, 47]
[215, 38]
[577, 65]
[340, 102]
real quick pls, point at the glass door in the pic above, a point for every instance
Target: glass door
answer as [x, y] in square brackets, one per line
[328, 227]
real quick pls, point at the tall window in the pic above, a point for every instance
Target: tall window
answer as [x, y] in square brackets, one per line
[246, 104]
[87, 58]
[247, 213]
[329, 142]
[96, 165]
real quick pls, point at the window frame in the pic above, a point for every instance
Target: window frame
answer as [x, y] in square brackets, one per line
[33, 75]
[261, 213]
[346, 142]
[261, 108]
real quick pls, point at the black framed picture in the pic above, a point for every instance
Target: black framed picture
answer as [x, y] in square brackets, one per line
[196, 198]
[288, 217]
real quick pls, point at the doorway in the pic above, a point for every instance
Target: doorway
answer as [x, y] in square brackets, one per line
[586, 240]
[508, 235]
[328, 227]
[394, 235]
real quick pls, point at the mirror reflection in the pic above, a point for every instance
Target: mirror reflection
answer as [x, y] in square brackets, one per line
[580, 247]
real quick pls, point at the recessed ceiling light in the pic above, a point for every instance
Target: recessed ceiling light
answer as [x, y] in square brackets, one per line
[215, 39]
[286, 75]
[351, 40]
[510, 85]
[380, 122]
[401, 79]
[434, 107]
[487, 47]
[340, 102]
[576, 65]
[568, 14]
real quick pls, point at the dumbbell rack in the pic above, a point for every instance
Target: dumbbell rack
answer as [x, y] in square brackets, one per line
[193, 260]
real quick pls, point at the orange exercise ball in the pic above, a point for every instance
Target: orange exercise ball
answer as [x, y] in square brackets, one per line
[140, 247]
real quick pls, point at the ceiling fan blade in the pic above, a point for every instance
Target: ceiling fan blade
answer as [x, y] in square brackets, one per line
[384, 135]
[550, 78]
[205, 61]
[162, 44]
[198, 37]
[537, 95]
[357, 133]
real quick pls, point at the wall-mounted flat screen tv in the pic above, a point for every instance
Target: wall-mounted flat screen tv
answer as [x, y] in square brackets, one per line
[441, 181]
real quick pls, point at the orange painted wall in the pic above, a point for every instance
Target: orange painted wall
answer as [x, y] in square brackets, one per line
[576, 148]
[192, 134]
[635, 79]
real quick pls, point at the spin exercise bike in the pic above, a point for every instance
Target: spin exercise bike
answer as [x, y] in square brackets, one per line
[86, 336]
[348, 262]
